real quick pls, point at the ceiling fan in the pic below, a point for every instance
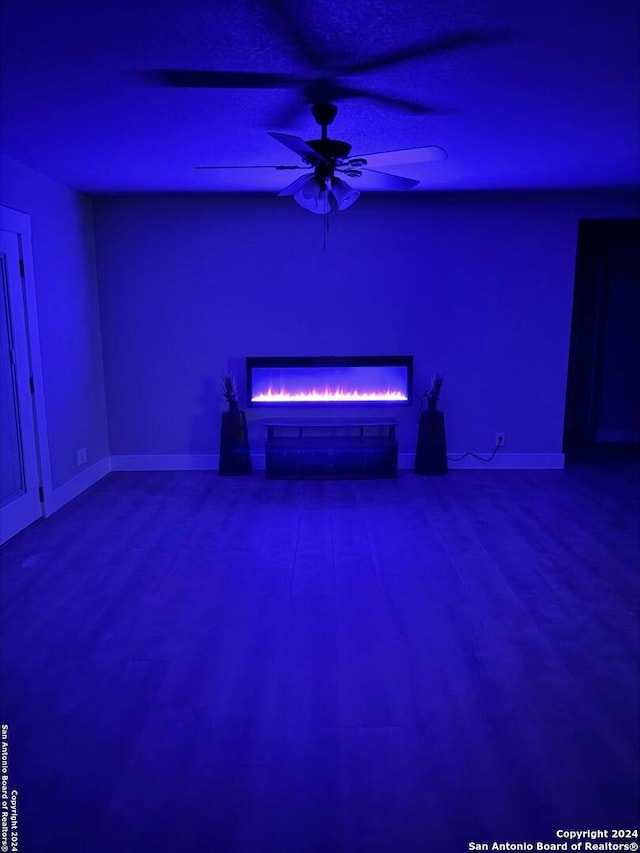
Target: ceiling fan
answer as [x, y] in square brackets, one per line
[325, 160]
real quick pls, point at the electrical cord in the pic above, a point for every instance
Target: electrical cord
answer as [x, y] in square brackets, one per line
[475, 455]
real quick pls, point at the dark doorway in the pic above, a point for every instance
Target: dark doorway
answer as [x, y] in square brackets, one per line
[602, 415]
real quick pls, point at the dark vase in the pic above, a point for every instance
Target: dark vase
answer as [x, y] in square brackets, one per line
[431, 449]
[235, 457]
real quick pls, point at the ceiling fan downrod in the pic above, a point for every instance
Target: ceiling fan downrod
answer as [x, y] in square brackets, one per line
[324, 115]
[331, 150]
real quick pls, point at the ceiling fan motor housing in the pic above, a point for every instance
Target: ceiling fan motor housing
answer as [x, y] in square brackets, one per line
[331, 150]
[324, 113]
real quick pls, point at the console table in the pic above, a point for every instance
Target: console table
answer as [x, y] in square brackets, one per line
[331, 448]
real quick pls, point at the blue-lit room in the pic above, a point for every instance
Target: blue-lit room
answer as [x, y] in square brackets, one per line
[319, 500]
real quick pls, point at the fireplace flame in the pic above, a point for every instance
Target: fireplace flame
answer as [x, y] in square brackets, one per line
[328, 395]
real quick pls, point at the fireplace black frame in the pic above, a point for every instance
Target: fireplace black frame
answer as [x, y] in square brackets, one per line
[314, 362]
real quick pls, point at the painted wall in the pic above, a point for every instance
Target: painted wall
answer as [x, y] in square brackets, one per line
[68, 315]
[477, 286]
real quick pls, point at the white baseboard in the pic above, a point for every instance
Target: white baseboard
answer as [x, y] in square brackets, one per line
[509, 461]
[209, 462]
[406, 461]
[61, 495]
[165, 462]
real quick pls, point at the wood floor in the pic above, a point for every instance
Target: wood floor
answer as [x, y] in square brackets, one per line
[196, 663]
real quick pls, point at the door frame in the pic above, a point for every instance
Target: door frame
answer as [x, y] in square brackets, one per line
[591, 293]
[19, 223]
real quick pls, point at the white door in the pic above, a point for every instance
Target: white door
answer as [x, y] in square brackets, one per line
[20, 503]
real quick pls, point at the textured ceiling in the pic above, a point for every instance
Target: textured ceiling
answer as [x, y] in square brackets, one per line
[552, 101]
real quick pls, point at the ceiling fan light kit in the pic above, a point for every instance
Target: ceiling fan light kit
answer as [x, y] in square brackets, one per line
[344, 195]
[313, 196]
[318, 195]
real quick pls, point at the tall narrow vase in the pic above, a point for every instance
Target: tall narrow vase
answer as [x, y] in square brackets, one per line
[431, 449]
[235, 457]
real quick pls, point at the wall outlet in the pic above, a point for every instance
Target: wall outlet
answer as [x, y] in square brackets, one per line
[499, 439]
[81, 456]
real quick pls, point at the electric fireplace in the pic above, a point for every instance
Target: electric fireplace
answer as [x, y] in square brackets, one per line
[329, 380]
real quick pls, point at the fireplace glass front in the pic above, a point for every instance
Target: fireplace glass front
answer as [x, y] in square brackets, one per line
[332, 381]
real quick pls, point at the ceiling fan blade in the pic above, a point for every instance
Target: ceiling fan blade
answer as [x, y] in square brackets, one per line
[371, 179]
[183, 78]
[404, 156]
[278, 168]
[299, 34]
[298, 145]
[413, 107]
[380, 180]
[292, 188]
[428, 48]
[291, 114]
